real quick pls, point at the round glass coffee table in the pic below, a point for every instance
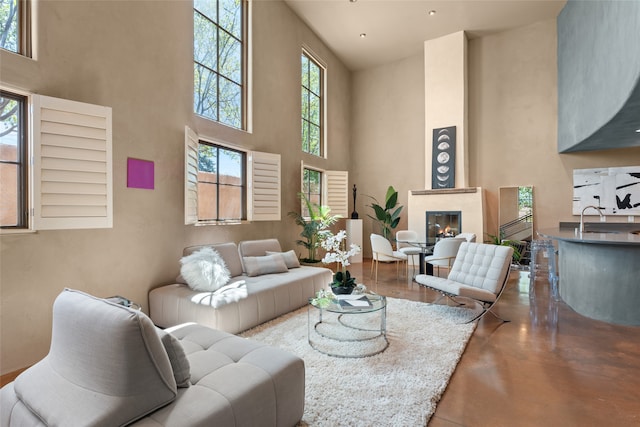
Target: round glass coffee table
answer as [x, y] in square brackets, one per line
[350, 326]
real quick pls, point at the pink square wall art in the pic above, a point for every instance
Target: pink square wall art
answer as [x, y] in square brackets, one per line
[139, 173]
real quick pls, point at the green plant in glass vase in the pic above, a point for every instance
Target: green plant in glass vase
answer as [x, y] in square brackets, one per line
[336, 247]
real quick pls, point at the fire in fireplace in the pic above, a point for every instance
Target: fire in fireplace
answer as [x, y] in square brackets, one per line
[443, 224]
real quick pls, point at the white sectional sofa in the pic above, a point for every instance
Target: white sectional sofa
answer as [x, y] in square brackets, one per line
[108, 365]
[273, 285]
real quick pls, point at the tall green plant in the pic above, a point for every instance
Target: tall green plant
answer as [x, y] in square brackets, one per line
[319, 219]
[387, 215]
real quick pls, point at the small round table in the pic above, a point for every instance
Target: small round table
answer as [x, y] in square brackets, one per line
[426, 248]
[349, 326]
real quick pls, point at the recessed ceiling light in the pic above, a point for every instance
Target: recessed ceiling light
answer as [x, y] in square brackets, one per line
[363, 35]
[431, 12]
[638, 130]
[353, 1]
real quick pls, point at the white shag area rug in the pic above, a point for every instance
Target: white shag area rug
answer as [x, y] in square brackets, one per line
[398, 387]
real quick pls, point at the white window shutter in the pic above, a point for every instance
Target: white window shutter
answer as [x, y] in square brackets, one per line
[263, 180]
[72, 165]
[191, 145]
[336, 195]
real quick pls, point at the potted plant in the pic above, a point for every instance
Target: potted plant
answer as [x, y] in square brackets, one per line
[335, 245]
[319, 219]
[501, 241]
[387, 215]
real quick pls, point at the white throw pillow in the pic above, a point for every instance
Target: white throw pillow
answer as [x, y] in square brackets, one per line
[268, 264]
[290, 258]
[204, 270]
[177, 357]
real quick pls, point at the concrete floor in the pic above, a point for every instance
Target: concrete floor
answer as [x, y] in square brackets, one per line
[548, 366]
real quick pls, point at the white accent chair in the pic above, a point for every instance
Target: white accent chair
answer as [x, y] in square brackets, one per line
[444, 253]
[470, 237]
[404, 236]
[480, 272]
[382, 251]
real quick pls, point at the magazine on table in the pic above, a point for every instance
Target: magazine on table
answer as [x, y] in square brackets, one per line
[354, 301]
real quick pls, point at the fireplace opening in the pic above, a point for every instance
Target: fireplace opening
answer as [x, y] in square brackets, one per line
[442, 225]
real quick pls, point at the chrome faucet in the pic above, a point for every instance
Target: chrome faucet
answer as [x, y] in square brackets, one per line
[582, 215]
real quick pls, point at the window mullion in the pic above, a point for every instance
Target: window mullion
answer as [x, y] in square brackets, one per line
[217, 183]
[218, 66]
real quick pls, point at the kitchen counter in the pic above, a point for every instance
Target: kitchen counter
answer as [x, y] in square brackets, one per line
[599, 271]
[608, 237]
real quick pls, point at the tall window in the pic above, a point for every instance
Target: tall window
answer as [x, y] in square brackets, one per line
[311, 187]
[218, 54]
[13, 161]
[312, 105]
[14, 28]
[221, 183]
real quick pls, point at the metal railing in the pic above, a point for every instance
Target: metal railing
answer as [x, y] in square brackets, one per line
[516, 226]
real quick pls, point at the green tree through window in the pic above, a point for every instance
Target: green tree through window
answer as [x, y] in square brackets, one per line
[218, 52]
[312, 188]
[9, 18]
[312, 105]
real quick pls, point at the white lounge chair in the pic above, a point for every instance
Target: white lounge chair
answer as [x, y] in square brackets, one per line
[479, 272]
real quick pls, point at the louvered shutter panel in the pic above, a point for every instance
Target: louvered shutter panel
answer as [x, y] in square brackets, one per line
[336, 195]
[72, 165]
[264, 187]
[190, 176]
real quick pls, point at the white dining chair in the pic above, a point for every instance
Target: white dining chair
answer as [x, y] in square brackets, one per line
[382, 251]
[403, 237]
[470, 237]
[444, 253]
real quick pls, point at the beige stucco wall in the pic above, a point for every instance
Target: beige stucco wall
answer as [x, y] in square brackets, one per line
[387, 136]
[136, 57]
[107, 53]
[513, 124]
[445, 65]
[512, 129]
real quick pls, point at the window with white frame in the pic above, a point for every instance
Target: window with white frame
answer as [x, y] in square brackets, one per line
[312, 104]
[219, 54]
[228, 185]
[221, 183]
[328, 188]
[14, 26]
[66, 162]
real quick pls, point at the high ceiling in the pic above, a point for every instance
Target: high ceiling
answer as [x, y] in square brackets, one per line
[396, 29]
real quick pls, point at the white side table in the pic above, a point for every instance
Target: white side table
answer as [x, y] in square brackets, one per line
[354, 236]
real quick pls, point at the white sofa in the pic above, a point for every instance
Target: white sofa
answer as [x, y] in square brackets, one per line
[108, 366]
[267, 296]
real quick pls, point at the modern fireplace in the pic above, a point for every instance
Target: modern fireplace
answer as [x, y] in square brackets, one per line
[468, 202]
[442, 224]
